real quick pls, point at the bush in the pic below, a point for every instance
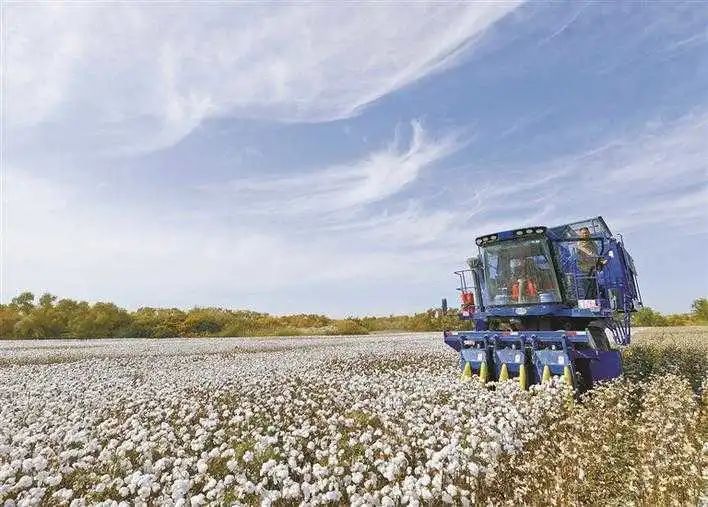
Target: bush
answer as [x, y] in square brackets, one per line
[646, 317]
[348, 327]
[624, 444]
[667, 352]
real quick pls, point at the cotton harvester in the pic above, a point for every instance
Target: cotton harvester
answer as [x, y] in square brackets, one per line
[545, 302]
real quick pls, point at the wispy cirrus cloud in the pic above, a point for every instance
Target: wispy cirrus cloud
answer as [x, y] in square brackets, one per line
[138, 76]
[373, 178]
[96, 249]
[647, 176]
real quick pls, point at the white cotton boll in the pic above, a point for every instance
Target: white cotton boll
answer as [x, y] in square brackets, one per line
[64, 494]
[179, 489]
[281, 472]
[292, 491]
[387, 502]
[267, 466]
[5, 472]
[437, 482]
[197, 500]
[144, 492]
[332, 496]
[389, 472]
[124, 491]
[24, 482]
[425, 493]
[306, 490]
[27, 464]
[40, 463]
[160, 465]
[248, 456]
[53, 480]
[202, 466]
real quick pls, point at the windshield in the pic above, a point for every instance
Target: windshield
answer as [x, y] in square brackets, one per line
[519, 272]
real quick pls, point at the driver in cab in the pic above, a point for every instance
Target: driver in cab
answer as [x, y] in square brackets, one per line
[523, 286]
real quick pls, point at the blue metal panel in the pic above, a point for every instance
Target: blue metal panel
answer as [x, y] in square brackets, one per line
[607, 366]
[459, 338]
[556, 360]
[510, 350]
[505, 235]
[541, 310]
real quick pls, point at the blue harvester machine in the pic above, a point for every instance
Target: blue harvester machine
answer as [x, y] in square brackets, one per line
[545, 302]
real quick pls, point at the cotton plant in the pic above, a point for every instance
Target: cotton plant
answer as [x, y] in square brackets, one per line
[380, 420]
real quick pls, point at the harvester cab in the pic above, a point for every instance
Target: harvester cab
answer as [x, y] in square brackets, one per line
[547, 301]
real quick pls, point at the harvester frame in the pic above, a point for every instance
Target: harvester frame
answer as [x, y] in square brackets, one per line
[545, 301]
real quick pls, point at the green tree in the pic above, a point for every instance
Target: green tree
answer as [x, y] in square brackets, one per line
[102, 320]
[205, 321]
[40, 323]
[46, 300]
[9, 317]
[646, 317]
[24, 302]
[157, 322]
[700, 309]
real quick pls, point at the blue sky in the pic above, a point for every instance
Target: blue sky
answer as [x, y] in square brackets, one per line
[341, 160]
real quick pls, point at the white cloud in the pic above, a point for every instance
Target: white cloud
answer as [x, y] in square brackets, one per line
[58, 240]
[373, 178]
[145, 75]
[656, 174]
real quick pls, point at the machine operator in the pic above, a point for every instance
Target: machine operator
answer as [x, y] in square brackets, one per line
[587, 261]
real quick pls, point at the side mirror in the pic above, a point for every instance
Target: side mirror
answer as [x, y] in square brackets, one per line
[444, 306]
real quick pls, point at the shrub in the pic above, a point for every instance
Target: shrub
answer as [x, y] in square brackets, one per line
[348, 326]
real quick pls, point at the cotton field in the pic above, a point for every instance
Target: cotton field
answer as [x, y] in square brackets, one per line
[380, 420]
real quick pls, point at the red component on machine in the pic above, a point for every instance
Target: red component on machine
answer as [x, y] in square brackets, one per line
[467, 299]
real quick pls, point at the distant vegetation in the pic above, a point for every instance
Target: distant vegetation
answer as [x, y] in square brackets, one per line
[49, 317]
[651, 318]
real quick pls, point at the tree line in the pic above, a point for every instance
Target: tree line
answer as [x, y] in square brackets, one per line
[651, 318]
[50, 317]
